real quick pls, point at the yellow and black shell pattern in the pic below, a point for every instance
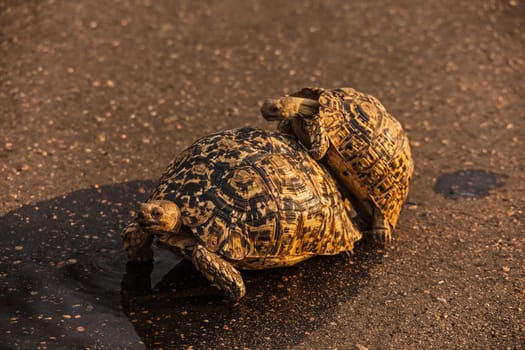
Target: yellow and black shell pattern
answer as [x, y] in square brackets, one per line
[370, 151]
[256, 198]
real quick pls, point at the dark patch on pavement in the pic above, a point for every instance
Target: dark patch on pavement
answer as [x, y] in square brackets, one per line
[468, 183]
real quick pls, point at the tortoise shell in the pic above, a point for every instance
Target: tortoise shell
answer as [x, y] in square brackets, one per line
[370, 152]
[257, 199]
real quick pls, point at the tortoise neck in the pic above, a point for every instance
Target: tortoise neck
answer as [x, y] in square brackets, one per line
[308, 107]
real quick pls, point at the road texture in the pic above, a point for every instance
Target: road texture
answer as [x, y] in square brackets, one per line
[96, 97]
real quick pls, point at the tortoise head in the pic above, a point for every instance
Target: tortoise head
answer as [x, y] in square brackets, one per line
[289, 107]
[160, 216]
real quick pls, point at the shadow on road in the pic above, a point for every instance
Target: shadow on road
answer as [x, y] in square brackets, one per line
[64, 281]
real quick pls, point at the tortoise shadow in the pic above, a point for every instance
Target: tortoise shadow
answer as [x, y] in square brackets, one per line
[62, 259]
[281, 305]
[61, 266]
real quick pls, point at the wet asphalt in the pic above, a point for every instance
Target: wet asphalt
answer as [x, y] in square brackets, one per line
[97, 97]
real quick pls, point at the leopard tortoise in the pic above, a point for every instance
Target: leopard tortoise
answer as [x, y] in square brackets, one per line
[243, 199]
[366, 148]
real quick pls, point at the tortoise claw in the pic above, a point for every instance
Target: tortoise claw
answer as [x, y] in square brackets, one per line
[382, 235]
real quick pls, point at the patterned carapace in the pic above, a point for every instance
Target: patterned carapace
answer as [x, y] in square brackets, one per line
[366, 148]
[254, 199]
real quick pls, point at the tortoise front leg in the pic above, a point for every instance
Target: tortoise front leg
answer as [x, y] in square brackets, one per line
[219, 272]
[285, 127]
[137, 243]
[316, 137]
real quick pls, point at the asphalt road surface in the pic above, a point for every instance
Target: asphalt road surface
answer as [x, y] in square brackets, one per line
[97, 97]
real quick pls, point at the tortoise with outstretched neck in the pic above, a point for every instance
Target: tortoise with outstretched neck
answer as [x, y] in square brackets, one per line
[365, 147]
[243, 199]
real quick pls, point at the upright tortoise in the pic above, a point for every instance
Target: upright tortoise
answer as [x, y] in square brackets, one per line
[365, 146]
[243, 198]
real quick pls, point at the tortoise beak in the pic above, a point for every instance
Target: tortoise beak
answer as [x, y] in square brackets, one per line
[145, 219]
[142, 217]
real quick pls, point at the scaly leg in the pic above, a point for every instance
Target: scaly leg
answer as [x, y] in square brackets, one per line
[137, 243]
[219, 272]
[285, 127]
[381, 229]
[317, 137]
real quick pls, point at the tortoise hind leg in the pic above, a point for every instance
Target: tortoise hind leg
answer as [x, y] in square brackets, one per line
[219, 272]
[381, 229]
